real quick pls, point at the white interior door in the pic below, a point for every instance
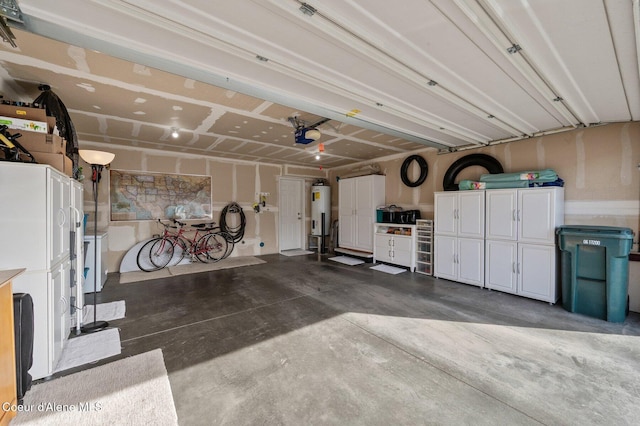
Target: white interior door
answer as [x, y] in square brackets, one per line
[291, 213]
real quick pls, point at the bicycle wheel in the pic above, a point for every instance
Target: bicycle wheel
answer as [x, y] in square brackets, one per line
[230, 244]
[211, 248]
[180, 249]
[144, 257]
[161, 252]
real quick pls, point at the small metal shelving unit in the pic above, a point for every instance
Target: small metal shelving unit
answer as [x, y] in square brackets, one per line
[424, 246]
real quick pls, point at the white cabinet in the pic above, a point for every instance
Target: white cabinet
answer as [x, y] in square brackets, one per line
[459, 236]
[395, 244]
[527, 215]
[103, 244]
[459, 213]
[424, 246]
[520, 241]
[358, 199]
[37, 235]
[77, 252]
[459, 259]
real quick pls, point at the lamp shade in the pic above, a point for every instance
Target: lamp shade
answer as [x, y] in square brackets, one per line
[100, 158]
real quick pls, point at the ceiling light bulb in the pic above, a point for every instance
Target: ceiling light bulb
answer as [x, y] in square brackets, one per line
[317, 156]
[175, 134]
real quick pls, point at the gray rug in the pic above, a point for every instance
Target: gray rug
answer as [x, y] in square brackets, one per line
[130, 391]
[192, 268]
[346, 260]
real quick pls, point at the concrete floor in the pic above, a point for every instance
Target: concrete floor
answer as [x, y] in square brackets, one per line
[296, 341]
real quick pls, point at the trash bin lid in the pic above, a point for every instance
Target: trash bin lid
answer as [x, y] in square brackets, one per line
[599, 231]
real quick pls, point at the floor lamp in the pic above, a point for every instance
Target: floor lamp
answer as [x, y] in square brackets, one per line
[97, 159]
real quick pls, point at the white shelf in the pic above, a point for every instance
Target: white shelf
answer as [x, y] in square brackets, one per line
[424, 246]
[395, 243]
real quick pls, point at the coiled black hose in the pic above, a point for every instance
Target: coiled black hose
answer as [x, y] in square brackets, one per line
[236, 232]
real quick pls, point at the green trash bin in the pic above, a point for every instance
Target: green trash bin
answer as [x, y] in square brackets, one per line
[594, 265]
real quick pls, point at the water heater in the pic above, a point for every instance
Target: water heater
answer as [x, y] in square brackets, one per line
[320, 203]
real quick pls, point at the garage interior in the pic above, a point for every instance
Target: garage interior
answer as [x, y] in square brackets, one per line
[534, 84]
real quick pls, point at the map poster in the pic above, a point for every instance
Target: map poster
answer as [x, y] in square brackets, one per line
[150, 196]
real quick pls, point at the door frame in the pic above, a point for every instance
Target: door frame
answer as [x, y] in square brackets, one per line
[303, 201]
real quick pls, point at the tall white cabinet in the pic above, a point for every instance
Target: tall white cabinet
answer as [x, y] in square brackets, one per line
[459, 236]
[520, 241]
[358, 199]
[36, 215]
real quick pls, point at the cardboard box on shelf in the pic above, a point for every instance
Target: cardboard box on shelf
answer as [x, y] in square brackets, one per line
[57, 161]
[25, 113]
[21, 124]
[42, 142]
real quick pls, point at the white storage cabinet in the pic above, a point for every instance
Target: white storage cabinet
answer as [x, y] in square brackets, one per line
[459, 236]
[424, 246]
[357, 202]
[520, 241]
[395, 244]
[103, 243]
[37, 218]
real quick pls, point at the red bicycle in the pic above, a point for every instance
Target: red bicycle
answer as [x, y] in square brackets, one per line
[173, 245]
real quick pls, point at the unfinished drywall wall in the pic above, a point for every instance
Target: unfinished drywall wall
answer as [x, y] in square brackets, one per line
[599, 166]
[232, 181]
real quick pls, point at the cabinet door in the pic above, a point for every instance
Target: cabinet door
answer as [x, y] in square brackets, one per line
[59, 199]
[444, 254]
[537, 272]
[402, 250]
[364, 212]
[536, 216]
[60, 305]
[471, 261]
[500, 265]
[470, 214]
[501, 214]
[382, 248]
[346, 213]
[446, 206]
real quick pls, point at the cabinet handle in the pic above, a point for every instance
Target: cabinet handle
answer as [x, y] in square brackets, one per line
[518, 267]
[513, 267]
[518, 215]
[514, 215]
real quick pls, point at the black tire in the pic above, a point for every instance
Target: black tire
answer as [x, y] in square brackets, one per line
[161, 252]
[424, 170]
[144, 257]
[211, 248]
[492, 165]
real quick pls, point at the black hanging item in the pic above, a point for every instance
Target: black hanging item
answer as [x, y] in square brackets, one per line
[55, 108]
[236, 232]
[424, 170]
[492, 165]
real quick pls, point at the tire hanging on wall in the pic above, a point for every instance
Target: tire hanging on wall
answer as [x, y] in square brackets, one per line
[492, 165]
[424, 170]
